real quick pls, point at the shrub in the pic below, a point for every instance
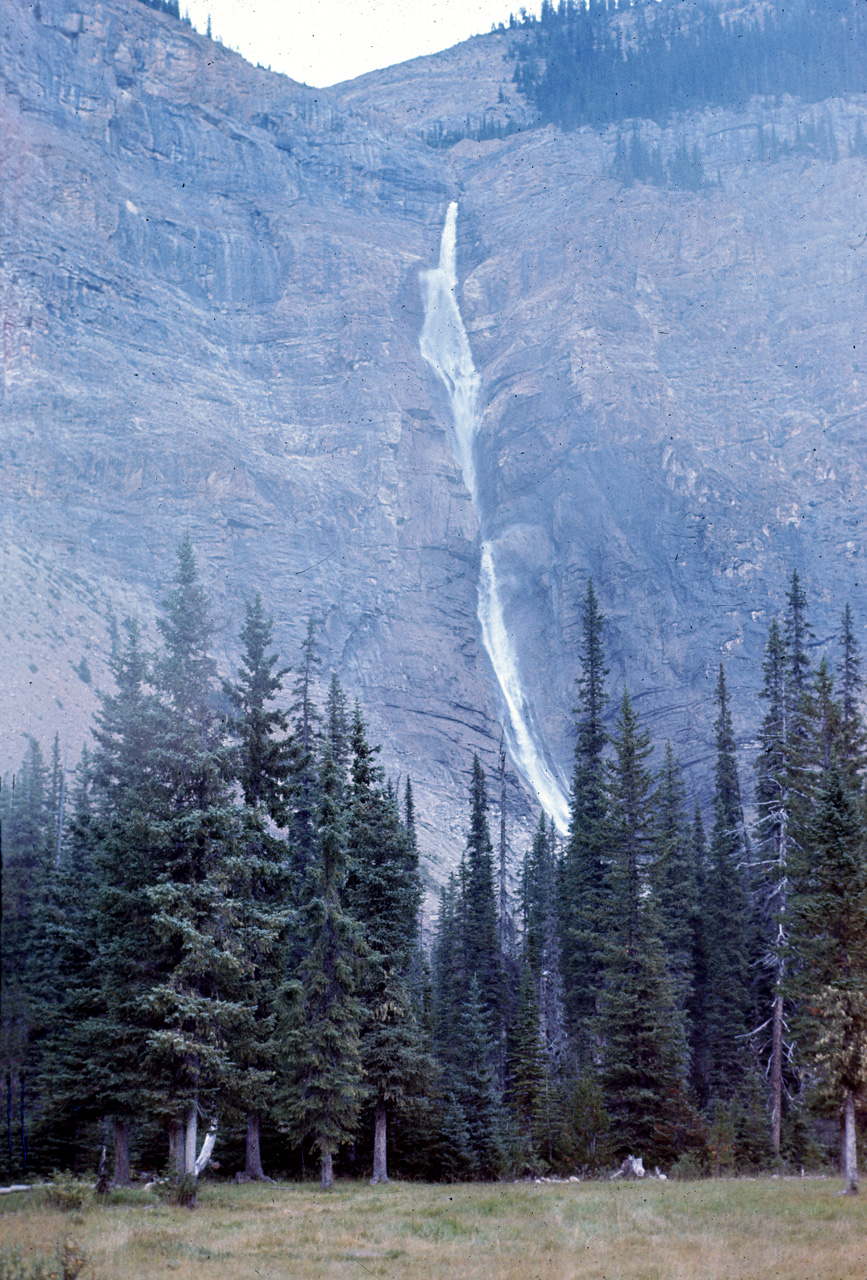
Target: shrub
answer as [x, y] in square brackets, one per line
[66, 1193]
[180, 1191]
[688, 1166]
[68, 1263]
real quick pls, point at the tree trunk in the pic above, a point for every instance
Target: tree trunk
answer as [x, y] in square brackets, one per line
[190, 1140]
[102, 1175]
[850, 1155]
[327, 1179]
[121, 1153]
[253, 1166]
[777, 1075]
[204, 1156]
[380, 1171]
[176, 1150]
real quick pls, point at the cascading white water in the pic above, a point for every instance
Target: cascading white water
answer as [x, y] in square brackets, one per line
[445, 346]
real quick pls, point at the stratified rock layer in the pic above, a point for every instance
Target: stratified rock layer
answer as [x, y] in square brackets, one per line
[211, 312]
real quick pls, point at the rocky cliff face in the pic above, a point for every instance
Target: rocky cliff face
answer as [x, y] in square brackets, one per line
[211, 319]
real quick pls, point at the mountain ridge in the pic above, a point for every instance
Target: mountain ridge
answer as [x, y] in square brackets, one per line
[212, 318]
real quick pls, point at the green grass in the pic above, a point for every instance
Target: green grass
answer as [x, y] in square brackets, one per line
[785, 1229]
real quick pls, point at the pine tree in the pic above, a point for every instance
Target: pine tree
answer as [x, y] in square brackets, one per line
[583, 872]
[321, 1072]
[727, 907]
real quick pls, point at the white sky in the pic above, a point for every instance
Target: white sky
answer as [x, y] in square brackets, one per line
[322, 42]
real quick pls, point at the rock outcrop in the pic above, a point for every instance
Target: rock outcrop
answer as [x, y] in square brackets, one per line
[211, 319]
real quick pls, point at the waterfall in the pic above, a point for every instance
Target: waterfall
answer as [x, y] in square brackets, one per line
[446, 348]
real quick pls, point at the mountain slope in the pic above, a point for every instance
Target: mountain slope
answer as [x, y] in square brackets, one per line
[212, 310]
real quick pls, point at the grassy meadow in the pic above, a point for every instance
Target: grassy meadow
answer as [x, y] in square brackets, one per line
[785, 1229]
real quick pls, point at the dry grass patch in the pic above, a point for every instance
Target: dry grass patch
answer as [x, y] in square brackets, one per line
[715, 1230]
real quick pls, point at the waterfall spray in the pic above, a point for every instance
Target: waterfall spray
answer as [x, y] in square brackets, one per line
[446, 348]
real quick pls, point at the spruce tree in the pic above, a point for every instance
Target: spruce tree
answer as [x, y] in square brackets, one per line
[27, 824]
[384, 895]
[127, 800]
[303, 760]
[786, 764]
[727, 917]
[448, 972]
[673, 875]
[260, 729]
[541, 942]
[75, 1071]
[478, 906]
[696, 1005]
[529, 1087]
[828, 909]
[644, 1047]
[584, 868]
[336, 723]
[260, 874]
[201, 1002]
[476, 1088]
[321, 1085]
[852, 741]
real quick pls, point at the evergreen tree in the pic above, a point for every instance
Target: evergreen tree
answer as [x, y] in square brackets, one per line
[200, 1002]
[260, 729]
[852, 742]
[529, 1089]
[644, 1046]
[476, 1088]
[126, 801]
[303, 766]
[478, 910]
[260, 875]
[583, 873]
[384, 895]
[337, 724]
[696, 1005]
[541, 943]
[321, 1071]
[448, 974]
[27, 826]
[74, 1080]
[727, 907]
[828, 910]
[673, 875]
[786, 761]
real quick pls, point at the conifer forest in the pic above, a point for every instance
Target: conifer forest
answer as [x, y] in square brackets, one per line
[212, 942]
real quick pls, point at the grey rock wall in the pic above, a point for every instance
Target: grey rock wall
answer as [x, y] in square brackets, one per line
[210, 322]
